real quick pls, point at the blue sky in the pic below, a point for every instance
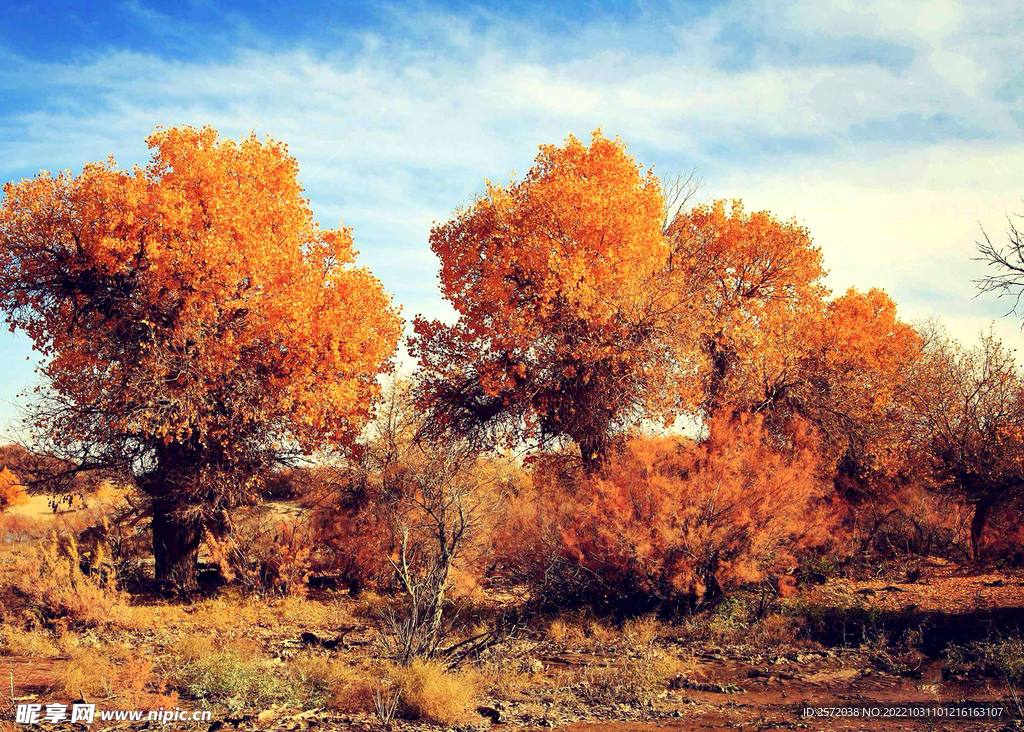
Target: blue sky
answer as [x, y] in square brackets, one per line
[890, 129]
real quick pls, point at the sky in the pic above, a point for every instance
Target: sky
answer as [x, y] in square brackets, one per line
[893, 130]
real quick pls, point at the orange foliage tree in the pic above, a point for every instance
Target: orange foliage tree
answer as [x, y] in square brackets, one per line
[11, 492]
[970, 405]
[667, 521]
[751, 279]
[773, 343]
[862, 366]
[568, 326]
[196, 326]
[845, 368]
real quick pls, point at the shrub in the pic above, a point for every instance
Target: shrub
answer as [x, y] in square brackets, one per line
[641, 631]
[113, 522]
[899, 522]
[330, 683]
[15, 641]
[60, 585]
[238, 678]
[105, 672]
[639, 675]
[350, 534]
[507, 678]
[17, 527]
[667, 522]
[431, 693]
[264, 553]
[999, 658]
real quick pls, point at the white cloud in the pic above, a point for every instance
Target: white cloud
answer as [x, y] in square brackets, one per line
[401, 127]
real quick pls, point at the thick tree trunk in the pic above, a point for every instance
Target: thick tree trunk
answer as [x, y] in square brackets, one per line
[981, 511]
[593, 450]
[176, 548]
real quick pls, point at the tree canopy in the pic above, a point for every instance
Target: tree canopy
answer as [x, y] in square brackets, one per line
[195, 323]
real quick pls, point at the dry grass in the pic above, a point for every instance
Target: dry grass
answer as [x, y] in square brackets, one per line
[51, 588]
[565, 633]
[579, 631]
[106, 673]
[640, 675]
[233, 609]
[17, 641]
[641, 631]
[431, 693]
[507, 679]
[237, 677]
[331, 683]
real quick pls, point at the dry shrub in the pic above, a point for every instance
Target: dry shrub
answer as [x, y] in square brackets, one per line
[579, 630]
[1003, 541]
[238, 677]
[349, 533]
[506, 678]
[774, 630]
[16, 527]
[902, 521]
[666, 522]
[639, 675]
[264, 552]
[431, 693]
[61, 587]
[641, 631]
[371, 605]
[379, 504]
[16, 641]
[113, 520]
[330, 683]
[564, 633]
[111, 671]
[999, 658]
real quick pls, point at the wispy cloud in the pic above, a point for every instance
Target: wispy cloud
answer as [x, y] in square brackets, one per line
[890, 128]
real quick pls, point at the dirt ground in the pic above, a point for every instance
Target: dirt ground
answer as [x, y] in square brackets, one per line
[725, 686]
[841, 660]
[753, 696]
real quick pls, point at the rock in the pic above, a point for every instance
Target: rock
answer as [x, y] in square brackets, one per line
[312, 639]
[490, 712]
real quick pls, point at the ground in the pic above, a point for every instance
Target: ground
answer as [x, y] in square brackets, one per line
[950, 637]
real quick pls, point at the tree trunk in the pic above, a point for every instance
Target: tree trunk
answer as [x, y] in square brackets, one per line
[981, 511]
[593, 451]
[176, 548]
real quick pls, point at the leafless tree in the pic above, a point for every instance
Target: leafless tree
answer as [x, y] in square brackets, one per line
[679, 191]
[1007, 279]
[436, 497]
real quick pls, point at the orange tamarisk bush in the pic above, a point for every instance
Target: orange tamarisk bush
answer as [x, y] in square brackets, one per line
[668, 520]
[196, 326]
[568, 326]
